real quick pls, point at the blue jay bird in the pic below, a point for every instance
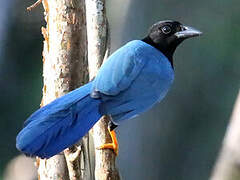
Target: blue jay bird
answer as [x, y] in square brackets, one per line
[131, 81]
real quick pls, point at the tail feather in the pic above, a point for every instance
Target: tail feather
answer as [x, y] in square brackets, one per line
[59, 124]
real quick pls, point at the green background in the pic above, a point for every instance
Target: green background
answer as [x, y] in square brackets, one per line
[179, 139]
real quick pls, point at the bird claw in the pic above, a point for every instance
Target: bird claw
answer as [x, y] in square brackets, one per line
[112, 146]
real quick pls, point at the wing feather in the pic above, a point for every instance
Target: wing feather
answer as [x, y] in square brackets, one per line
[119, 71]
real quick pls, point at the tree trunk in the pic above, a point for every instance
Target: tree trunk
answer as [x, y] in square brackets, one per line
[228, 164]
[64, 69]
[98, 50]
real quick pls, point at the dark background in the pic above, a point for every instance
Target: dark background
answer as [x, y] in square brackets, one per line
[179, 139]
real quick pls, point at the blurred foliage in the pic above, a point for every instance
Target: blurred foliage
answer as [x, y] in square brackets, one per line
[20, 74]
[179, 138]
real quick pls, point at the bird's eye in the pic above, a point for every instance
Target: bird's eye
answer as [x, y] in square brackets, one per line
[166, 29]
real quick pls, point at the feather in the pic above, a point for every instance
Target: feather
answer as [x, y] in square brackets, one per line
[59, 124]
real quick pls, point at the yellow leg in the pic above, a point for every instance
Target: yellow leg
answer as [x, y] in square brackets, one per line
[113, 145]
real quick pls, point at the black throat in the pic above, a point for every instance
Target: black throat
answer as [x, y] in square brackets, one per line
[166, 50]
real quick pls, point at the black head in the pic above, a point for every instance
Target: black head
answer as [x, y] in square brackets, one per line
[167, 35]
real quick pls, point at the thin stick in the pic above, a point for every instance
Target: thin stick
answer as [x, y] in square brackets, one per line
[34, 5]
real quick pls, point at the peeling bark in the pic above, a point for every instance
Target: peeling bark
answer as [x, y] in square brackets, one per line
[53, 168]
[64, 69]
[228, 164]
[98, 49]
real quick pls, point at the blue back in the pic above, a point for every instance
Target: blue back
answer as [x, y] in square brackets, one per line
[132, 80]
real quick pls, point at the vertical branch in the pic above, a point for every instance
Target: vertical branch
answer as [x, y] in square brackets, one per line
[64, 69]
[228, 164]
[97, 28]
[98, 48]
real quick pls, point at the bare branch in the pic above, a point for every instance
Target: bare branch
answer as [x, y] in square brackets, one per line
[105, 168]
[98, 49]
[228, 164]
[72, 155]
[64, 69]
[34, 5]
[97, 28]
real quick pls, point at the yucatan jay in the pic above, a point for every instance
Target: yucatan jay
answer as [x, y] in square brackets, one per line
[131, 81]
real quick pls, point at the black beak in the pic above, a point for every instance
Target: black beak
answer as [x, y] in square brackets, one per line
[187, 32]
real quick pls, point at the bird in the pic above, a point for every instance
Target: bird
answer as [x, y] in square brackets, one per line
[133, 79]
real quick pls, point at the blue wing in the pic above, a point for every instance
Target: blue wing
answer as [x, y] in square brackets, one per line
[132, 80]
[120, 70]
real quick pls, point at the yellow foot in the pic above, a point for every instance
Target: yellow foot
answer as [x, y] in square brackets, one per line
[113, 145]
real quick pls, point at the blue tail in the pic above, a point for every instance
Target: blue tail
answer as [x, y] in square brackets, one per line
[59, 124]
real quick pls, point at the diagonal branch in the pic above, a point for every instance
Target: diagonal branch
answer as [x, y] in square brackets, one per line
[34, 5]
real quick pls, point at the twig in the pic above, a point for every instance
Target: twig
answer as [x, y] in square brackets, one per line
[34, 5]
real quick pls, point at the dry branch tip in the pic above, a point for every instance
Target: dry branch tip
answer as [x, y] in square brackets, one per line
[34, 5]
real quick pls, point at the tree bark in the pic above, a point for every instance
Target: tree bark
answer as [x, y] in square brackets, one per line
[64, 69]
[98, 50]
[228, 163]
